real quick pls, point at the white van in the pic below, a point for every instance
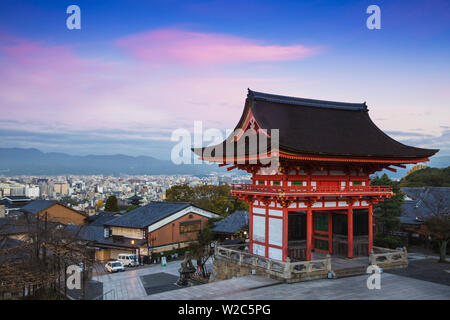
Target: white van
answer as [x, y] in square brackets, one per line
[128, 259]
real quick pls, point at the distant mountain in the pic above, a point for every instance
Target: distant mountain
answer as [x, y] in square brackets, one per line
[17, 161]
[435, 162]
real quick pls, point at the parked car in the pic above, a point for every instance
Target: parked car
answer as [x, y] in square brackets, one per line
[128, 259]
[114, 266]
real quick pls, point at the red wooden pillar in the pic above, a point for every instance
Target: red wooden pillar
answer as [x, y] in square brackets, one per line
[330, 233]
[350, 232]
[267, 232]
[285, 233]
[370, 228]
[308, 233]
[250, 229]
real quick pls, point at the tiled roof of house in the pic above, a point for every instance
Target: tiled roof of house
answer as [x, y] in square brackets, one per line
[233, 223]
[148, 214]
[38, 205]
[425, 202]
[101, 218]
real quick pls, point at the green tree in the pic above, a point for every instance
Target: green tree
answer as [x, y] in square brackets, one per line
[438, 227]
[214, 198]
[387, 213]
[433, 177]
[130, 208]
[111, 204]
[180, 193]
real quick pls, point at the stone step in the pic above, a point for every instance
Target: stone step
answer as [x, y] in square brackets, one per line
[350, 272]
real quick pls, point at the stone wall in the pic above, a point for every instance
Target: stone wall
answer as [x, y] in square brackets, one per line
[224, 270]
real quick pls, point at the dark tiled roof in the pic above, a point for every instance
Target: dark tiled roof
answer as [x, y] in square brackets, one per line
[9, 226]
[38, 205]
[8, 243]
[148, 214]
[425, 202]
[233, 223]
[88, 233]
[101, 218]
[17, 198]
[317, 127]
[123, 243]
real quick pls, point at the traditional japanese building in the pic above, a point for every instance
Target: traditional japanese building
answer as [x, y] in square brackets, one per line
[318, 197]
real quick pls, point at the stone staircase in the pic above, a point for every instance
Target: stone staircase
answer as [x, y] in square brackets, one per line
[350, 272]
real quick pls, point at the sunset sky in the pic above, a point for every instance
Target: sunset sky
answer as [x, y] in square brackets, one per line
[137, 70]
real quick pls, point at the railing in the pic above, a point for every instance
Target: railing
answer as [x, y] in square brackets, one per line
[296, 190]
[388, 257]
[286, 270]
[297, 250]
[311, 266]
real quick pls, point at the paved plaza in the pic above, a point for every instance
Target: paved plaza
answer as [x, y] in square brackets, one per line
[393, 287]
[423, 279]
[128, 285]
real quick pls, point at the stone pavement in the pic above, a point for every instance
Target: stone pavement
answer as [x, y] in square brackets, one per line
[128, 285]
[216, 289]
[425, 269]
[247, 288]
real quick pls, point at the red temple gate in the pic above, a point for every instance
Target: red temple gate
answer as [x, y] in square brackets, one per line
[325, 155]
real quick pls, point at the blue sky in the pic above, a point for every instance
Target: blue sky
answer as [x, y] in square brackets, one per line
[137, 70]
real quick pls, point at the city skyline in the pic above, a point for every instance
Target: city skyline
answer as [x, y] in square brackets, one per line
[123, 88]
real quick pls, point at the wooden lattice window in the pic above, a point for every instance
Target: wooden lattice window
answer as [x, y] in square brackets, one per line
[297, 183]
[276, 183]
[357, 183]
[190, 226]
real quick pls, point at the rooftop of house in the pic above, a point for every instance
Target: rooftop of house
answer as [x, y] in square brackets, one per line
[101, 218]
[235, 222]
[38, 205]
[13, 199]
[424, 202]
[149, 214]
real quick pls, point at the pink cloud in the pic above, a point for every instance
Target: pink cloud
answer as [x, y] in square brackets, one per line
[186, 47]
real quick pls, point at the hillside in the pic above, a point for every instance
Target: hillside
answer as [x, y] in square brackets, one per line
[16, 161]
[434, 177]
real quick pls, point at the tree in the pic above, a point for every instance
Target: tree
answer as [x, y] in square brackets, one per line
[111, 204]
[180, 193]
[432, 177]
[38, 262]
[387, 213]
[201, 248]
[214, 198]
[99, 204]
[437, 226]
[130, 208]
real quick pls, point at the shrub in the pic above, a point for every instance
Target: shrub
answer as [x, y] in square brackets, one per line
[387, 241]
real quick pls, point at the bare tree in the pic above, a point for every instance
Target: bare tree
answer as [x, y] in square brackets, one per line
[438, 223]
[39, 260]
